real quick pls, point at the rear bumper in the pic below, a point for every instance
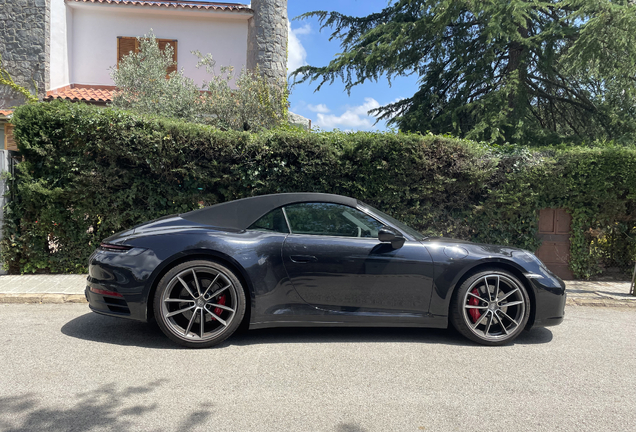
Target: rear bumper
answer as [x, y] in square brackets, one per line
[117, 282]
[121, 307]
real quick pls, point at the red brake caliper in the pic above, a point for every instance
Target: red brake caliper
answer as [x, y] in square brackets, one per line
[474, 313]
[219, 311]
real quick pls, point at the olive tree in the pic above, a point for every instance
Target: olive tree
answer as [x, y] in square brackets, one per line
[143, 84]
[244, 101]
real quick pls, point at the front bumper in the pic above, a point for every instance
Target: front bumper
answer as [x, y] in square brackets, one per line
[550, 297]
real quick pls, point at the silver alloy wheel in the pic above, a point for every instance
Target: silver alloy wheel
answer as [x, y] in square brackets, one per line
[199, 303]
[494, 307]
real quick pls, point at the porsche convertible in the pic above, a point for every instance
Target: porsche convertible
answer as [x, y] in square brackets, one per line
[309, 259]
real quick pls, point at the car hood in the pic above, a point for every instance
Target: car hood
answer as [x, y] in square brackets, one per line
[481, 249]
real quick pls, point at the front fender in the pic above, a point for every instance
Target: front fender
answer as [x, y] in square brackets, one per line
[450, 272]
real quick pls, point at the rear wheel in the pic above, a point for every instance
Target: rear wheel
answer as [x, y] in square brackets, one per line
[491, 307]
[199, 304]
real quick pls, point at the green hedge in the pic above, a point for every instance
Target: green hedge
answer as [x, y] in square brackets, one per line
[88, 172]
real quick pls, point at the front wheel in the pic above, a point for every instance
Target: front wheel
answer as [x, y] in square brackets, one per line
[491, 307]
[199, 304]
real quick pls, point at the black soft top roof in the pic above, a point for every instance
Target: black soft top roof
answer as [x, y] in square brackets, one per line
[240, 214]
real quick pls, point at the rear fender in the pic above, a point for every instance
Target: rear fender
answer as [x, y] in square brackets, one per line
[189, 255]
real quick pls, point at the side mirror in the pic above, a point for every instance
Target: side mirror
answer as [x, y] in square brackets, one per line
[387, 235]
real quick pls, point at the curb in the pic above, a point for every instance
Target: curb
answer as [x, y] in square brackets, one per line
[43, 298]
[613, 303]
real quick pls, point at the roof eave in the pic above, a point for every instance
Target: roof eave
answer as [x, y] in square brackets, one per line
[137, 5]
[91, 101]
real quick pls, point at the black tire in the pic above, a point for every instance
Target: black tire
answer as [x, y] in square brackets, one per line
[491, 307]
[199, 303]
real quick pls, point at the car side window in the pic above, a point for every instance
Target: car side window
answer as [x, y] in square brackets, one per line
[273, 221]
[330, 220]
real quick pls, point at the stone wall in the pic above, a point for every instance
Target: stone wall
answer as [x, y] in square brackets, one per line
[24, 46]
[267, 39]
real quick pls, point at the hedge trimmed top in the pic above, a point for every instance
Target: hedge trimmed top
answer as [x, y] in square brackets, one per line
[89, 172]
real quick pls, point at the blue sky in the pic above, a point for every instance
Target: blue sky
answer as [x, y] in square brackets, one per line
[332, 107]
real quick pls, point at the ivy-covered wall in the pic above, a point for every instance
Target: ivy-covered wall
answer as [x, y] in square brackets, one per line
[25, 48]
[89, 172]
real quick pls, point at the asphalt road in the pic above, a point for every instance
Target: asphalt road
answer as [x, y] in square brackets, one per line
[66, 369]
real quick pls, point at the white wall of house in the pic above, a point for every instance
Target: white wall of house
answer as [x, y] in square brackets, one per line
[84, 38]
[61, 44]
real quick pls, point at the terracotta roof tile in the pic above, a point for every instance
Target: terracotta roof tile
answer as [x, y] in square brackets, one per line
[5, 112]
[87, 93]
[224, 7]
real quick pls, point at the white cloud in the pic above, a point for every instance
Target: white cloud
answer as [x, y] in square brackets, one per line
[297, 55]
[304, 30]
[320, 108]
[353, 118]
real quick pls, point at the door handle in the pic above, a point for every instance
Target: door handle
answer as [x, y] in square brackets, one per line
[303, 258]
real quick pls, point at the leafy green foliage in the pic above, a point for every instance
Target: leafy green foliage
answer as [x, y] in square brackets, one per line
[144, 87]
[254, 104]
[227, 101]
[521, 71]
[89, 172]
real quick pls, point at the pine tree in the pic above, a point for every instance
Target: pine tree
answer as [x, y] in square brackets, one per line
[524, 71]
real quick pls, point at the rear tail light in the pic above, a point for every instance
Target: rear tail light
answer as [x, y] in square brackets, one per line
[105, 292]
[114, 248]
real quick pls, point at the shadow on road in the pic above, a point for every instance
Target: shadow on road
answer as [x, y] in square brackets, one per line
[108, 407]
[371, 335]
[99, 328]
[117, 331]
[349, 427]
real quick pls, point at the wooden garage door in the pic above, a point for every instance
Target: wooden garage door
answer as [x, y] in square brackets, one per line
[554, 231]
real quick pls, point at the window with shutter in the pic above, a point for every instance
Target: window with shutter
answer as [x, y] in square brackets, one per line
[9, 140]
[162, 46]
[126, 45]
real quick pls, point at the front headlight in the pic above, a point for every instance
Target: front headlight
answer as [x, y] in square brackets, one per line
[530, 257]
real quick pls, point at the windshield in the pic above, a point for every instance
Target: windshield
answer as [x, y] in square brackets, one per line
[407, 229]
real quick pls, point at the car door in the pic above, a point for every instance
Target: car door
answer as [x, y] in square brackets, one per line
[335, 262]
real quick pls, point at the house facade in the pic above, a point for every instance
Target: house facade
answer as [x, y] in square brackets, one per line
[66, 48]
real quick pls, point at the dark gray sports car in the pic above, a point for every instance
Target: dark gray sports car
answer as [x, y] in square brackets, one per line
[308, 259]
